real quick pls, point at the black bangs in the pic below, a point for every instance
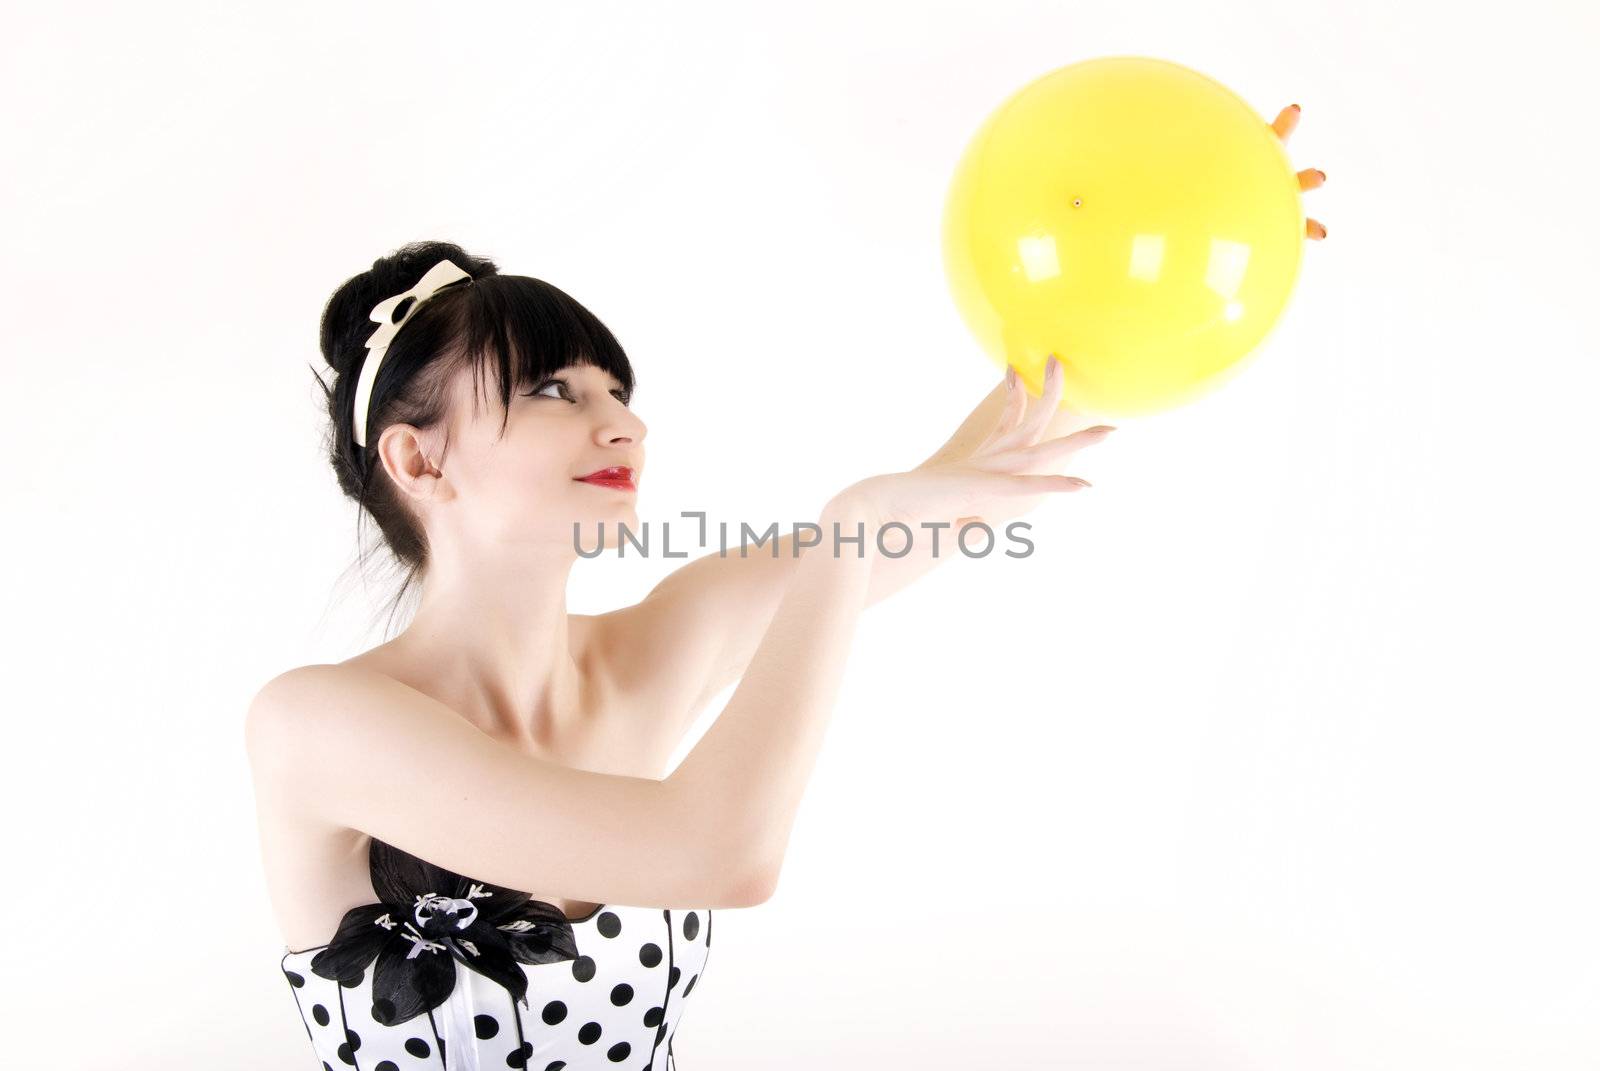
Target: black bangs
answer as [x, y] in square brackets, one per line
[524, 329]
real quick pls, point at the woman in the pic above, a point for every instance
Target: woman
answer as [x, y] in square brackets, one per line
[466, 831]
[468, 838]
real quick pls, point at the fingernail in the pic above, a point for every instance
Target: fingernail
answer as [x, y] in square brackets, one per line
[1296, 107]
[1011, 378]
[1322, 174]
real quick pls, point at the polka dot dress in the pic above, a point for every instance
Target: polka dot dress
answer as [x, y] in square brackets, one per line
[613, 1000]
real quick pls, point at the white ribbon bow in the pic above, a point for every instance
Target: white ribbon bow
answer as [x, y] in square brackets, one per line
[435, 278]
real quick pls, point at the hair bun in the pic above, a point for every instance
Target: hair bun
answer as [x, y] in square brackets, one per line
[346, 320]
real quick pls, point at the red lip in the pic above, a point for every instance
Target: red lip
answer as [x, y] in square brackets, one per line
[618, 476]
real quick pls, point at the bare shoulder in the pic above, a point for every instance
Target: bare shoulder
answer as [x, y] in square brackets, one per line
[275, 705]
[302, 710]
[278, 726]
[638, 692]
[286, 705]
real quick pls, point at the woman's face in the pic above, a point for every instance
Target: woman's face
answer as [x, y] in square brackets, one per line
[523, 487]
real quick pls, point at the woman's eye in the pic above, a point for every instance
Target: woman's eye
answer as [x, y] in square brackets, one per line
[546, 385]
[622, 396]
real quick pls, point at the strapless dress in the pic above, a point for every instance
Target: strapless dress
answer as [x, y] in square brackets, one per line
[448, 972]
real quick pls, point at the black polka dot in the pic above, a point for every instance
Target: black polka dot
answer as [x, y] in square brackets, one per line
[691, 926]
[555, 1065]
[650, 954]
[690, 987]
[708, 929]
[672, 979]
[320, 1014]
[296, 980]
[417, 1047]
[583, 968]
[618, 1052]
[621, 994]
[325, 1066]
[485, 1026]
[661, 1032]
[590, 1033]
[383, 1010]
[608, 924]
[352, 1039]
[387, 1065]
[346, 1055]
[518, 1057]
[652, 1017]
[553, 1013]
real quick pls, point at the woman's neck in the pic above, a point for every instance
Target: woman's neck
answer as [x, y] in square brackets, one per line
[498, 652]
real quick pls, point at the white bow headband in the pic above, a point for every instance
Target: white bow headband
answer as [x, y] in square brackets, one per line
[436, 278]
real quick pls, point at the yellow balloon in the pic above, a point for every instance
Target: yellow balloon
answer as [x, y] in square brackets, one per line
[1131, 216]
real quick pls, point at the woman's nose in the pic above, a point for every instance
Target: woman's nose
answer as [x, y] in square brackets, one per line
[623, 426]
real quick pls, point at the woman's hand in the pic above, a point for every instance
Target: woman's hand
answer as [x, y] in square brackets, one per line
[1004, 476]
[1310, 178]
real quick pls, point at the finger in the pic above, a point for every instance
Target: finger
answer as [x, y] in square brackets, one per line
[1033, 485]
[1310, 178]
[1286, 121]
[1315, 230]
[1040, 411]
[1046, 454]
[1010, 413]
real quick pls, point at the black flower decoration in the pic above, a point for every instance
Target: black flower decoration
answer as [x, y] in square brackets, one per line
[426, 920]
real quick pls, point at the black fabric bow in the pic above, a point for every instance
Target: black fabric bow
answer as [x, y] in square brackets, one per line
[429, 917]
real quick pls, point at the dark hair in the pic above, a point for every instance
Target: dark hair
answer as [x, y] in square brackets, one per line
[522, 328]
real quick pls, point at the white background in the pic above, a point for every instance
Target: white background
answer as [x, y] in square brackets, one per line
[1278, 753]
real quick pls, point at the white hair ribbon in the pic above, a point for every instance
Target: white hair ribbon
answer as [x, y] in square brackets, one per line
[436, 278]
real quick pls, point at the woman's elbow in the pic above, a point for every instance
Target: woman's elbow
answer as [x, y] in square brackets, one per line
[755, 887]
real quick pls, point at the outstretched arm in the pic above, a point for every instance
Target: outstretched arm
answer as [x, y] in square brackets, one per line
[720, 604]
